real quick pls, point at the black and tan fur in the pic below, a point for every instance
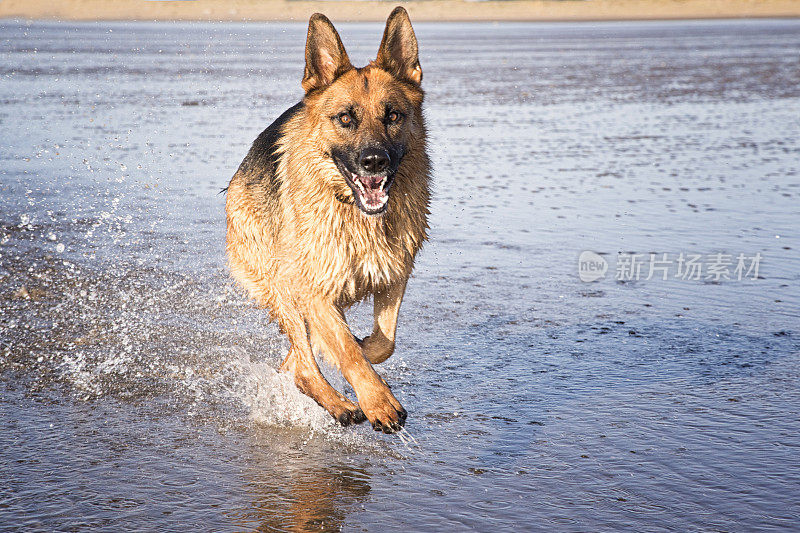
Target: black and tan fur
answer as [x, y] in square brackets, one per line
[330, 207]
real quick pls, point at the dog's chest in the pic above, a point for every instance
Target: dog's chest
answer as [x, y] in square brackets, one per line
[372, 261]
[351, 261]
[373, 268]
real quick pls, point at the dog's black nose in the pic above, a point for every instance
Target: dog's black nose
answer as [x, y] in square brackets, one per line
[374, 160]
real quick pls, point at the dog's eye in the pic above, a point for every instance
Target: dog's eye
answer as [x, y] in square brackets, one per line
[393, 116]
[345, 120]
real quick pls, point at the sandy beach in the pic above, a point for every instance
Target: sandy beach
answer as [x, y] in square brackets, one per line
[433, 10]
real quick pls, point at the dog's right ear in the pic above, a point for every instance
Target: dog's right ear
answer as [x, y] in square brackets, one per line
[326, 58]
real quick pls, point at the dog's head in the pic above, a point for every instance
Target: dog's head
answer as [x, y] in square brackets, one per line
[368, 119]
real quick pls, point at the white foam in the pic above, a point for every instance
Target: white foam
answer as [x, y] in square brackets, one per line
[273, 399]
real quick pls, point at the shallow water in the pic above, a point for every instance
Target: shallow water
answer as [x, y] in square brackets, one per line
[138, 387]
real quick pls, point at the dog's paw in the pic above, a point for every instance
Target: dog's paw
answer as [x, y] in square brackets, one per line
[384, 412]
[349, 415]
[376, 348]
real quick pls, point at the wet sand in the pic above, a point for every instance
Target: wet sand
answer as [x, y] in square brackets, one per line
[138, 386]
[432, 10]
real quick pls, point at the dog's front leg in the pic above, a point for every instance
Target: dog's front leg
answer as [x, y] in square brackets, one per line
[331, 333]
[379, 346]
[307, 376]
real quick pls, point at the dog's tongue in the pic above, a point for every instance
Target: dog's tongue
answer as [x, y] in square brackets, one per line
[370, 182]
[373, 195]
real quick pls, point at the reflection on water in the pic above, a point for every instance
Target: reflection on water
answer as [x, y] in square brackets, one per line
[101, 465]
[301, 490]
[138, 387]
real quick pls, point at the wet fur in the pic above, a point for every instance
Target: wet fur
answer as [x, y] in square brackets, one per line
[299, 244]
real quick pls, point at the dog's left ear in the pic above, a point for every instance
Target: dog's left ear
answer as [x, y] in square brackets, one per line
[398, 52]
[326, 58]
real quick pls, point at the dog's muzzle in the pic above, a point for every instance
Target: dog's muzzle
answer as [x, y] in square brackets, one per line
[371, 183]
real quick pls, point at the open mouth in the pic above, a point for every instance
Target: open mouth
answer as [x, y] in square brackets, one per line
[371, 192]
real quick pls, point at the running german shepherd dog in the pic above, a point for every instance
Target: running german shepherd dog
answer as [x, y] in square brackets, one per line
[330, 207]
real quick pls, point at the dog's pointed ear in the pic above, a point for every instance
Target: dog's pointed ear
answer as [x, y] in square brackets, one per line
[326, 58]
[398, 53]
